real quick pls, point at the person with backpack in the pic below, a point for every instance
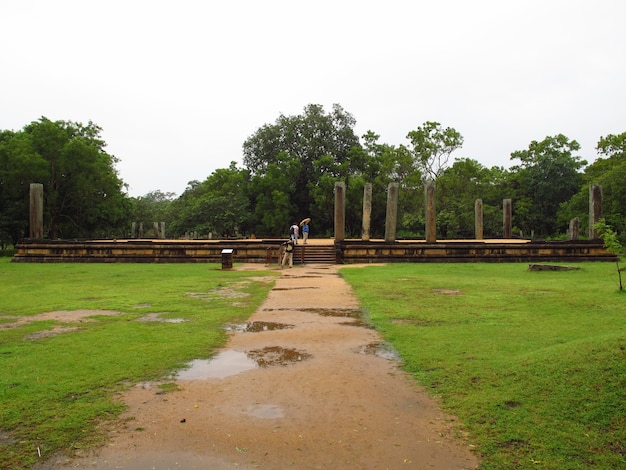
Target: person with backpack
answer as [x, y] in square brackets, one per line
[288, 253]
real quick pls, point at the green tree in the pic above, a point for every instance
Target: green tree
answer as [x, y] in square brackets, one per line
[273, 197]
[327, 172]
[153, 207]
[219, 205]
[458, 187]
[20, 165]
[609, 171]
[83, 195]
[322, 194]
[612, 146]
[611, 243]
[311, 141]
[386, 164]
[432, 147]
[548, 175]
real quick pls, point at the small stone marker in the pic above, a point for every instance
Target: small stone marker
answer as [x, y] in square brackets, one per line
[551, 267]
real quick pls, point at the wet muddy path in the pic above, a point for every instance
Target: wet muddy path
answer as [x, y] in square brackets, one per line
[305, 384]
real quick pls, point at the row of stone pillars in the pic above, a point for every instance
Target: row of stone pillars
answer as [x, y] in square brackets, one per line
[391, 220]
[137, 230]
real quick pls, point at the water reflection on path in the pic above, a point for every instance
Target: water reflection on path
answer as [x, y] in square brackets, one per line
[231, 362]
[223, 364]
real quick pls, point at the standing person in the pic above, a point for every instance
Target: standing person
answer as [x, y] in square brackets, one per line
[305, 232]
[293, 232]
[288, 254]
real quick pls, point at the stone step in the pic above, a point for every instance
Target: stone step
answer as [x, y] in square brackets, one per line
[314, 254]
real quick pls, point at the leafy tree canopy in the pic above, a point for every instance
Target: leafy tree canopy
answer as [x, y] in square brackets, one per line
[549, 175]
[309, 143]
[610, 173]
[305, 137]
[218, 205]
[83, 194]
[612, 146]
[432, 145]
[290, 169]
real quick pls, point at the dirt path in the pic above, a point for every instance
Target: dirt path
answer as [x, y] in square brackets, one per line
[324, 397]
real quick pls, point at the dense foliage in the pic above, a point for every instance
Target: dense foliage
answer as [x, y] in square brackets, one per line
[289, 171]
[83, 195]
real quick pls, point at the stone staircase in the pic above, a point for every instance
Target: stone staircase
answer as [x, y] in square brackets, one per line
[314, 254]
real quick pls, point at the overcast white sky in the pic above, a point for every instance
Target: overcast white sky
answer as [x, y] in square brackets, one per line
[178, 86]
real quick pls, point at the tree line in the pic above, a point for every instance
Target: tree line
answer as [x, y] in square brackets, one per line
[288, 173]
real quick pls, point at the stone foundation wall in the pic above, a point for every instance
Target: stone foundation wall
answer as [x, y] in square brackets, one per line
[472, 251]
[140, 251]
[347, 251]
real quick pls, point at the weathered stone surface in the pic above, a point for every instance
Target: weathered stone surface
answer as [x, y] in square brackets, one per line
[391, 221]
[36, 211]
[507, 217]
[367, 211]
[551, 267]
[317, 250]
[478, 219]
[595, 209]
[431, 212]
[340, 210]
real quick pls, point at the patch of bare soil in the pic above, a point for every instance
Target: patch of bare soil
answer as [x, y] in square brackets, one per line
[62, 316]
[314, 393]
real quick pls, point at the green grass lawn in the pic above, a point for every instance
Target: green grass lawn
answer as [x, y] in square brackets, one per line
[55, 390]
[533, 363]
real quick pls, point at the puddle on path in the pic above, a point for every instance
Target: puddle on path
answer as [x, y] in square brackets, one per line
[265, 411]
[334, 312]
[380, 349]
[294, 288]
[222, 365]
[258, 326]
[358, 323]
[230, 362]
[277, 356]
[326, 312]
[304, 277]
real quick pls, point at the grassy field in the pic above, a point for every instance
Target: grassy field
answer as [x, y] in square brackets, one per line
[56, 388]
[533, 363]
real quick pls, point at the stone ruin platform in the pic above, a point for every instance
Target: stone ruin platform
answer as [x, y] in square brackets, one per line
[315, 251]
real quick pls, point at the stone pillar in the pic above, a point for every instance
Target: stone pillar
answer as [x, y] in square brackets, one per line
[431, 213]
[391, 220]
[478, 219]
[367, 212]
[507, 212]
[595, 209]
[574, 229]
[155, 228]
[140, 229]
[340, 211]
[36, 211]
[163, 230]
[133, 230]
